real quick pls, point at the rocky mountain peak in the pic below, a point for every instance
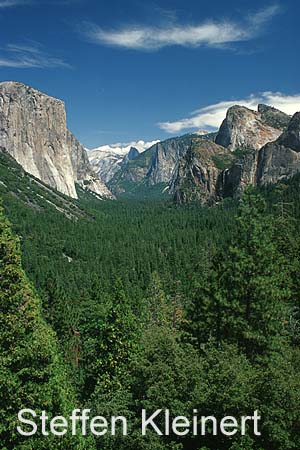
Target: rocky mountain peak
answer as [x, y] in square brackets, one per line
[277, 159]
[273, 117]
[262, 147]
[133, 153]
[263, 108]
[33, 131]
[245, 128]
[131, 156]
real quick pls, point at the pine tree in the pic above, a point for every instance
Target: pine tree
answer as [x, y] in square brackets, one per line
[31, 372]
[254, 281]
[117, 339]
[243, 296]
[157, 307]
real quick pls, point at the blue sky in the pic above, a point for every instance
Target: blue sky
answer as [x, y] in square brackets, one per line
[130, 70]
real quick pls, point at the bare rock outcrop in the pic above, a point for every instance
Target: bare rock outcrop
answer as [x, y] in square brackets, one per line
[245, 132]
[83, 173]
[33, 130]
[280, 159]
[244, 128]
[273, 117]
[242, 173]
[198, 171]
[153, 167]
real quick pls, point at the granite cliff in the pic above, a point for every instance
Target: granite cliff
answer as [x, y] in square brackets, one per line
[258, 145]
[155, 167]
[197, 173]
[250, 148]
[245, 128]
[280, 159]
[268, 163]
[210, 167]
[33, 131]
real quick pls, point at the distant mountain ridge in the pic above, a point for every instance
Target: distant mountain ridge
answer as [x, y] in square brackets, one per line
[108, 159]
[209, 167]
[250, 148]
[155, 167]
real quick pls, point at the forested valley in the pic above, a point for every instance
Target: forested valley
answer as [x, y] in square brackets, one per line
[133, 304]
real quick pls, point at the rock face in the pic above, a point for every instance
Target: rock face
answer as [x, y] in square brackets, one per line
[209, 167]
[166, 155]
[244, 128]
[104, 163]
[263, 146]
[251, 148]
[33, 130]
[109, 159]
[197, 174]
[244, 132]
[132, 154]
[83, 172]
[291, 137]
[273, 117]
[155, 166]
[79, 159]
[280, 159]
[242, 173]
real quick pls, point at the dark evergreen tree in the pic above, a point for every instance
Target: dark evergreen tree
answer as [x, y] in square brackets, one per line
[31, 371]
[254, 282]
[118, 336]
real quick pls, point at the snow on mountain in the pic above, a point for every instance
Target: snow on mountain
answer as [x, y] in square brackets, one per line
[107, 159]
[122, 148]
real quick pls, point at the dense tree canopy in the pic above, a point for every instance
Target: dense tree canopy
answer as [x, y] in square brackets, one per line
[32, 374]
[149, 305]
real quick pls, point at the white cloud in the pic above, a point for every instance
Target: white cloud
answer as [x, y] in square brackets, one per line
[11, 3]
[264, 15]
[208, 33]
[28, 56]
[211, 116]
[121, 148]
